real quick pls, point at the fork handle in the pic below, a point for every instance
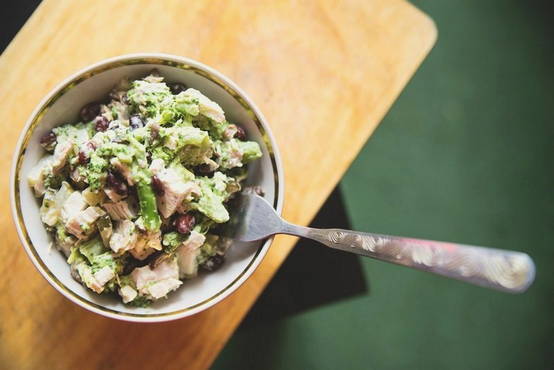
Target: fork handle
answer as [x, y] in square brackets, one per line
[493, 268]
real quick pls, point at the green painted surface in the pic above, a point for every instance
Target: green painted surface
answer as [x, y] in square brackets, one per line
[466, 154]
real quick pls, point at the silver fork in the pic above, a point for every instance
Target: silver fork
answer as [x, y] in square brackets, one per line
[504, 270]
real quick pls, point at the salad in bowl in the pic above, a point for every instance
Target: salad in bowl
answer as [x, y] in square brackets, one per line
[133, 192]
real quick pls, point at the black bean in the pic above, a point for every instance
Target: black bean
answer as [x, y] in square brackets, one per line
[240, 134]
[115, 183]
[111, 179]
[90, 111]
[130, 264]
[205, 169]
[136, 122]
[157, 185]
[213, 263]
[184, 223]
[48, 141]
[121, 189]
[177, 88]
[101, 123]
[82, 157]
[156, 258]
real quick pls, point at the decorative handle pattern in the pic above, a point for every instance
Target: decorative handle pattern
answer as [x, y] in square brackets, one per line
[499, 269]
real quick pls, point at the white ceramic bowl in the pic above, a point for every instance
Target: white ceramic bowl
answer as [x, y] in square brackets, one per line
[62, 105]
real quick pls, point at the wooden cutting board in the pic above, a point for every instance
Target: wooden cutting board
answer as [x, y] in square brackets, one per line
[324, 74]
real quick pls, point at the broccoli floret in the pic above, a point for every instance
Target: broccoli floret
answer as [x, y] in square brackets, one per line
[96, 171]
[208, 249]
[215, 192]
[78, 133]
[171, 241]
[105, 259]
[75, 257]
[54, 181]
[62, 237]
[234, 153]
[92, 248]
[163, 153]
[152, 99]
[250, 151]
[187, 104]
[124, 153]
[211, 205]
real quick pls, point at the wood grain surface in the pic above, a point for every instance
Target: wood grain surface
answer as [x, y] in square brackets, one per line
[324, 74]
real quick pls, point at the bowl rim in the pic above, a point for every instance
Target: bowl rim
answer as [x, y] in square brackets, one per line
[101, 66]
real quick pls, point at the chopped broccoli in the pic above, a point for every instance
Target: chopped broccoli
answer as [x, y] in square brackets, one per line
[92, 248]
[172, 240]
[208, 249]
[211, 205]
[234, 153]
[77, 134]
[105, 259]
[75, 257]
[96, 171]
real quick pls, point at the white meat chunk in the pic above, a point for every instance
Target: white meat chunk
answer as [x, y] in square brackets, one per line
[147, 243]
[194, 241]
[112, 195]
[97, 280]
[122, 210]
[80, 224]
[207, 107]
[157, 166]
[187, 253]
[105, 229]
[77, 176]
[127, 293]
[61, 153]
[161, 288]
[38, 174]
[195, 191]
[73, 205]
[235, 159]
[123, 169]
[121, 110]
[175, 190]
[230, 132]
[124, 236]
[87, 277]
[93, 197]
[104, 275]
[50, 211]
[230, 154]
[156, 283]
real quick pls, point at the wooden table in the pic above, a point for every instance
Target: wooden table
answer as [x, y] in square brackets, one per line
[324, 73]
